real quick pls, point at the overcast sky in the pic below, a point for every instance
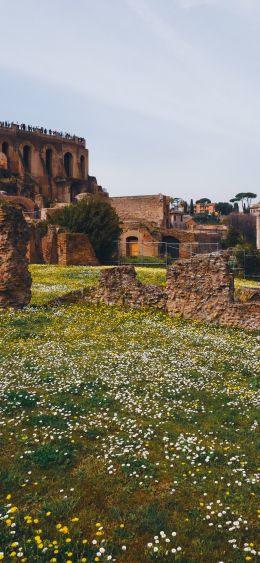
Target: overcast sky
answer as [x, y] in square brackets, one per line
[166, 92]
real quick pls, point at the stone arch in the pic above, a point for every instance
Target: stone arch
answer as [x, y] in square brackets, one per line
[68, 163]
[82, 165]
[5, 148]
[27, 156]
[75, 189]
[26, 204]
[49, 161]
[132, 246]
[171, 246]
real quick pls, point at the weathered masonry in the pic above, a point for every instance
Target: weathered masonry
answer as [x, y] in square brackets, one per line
[201, 288]
[15, 279]
[49, 169]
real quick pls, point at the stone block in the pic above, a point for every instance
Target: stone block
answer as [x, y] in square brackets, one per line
[75, 249]
[15, 278]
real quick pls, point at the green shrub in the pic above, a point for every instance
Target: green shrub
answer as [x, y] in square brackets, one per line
[96, 218]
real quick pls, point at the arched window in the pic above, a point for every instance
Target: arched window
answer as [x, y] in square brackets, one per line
[68, 164]
[82, 166]
[48, 162]
[132, 247]
[27, 158]
[5, 148]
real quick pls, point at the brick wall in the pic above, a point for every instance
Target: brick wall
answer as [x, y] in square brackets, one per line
[75, 249]
[202, 288]
[15, 279]
[119, 286]
[154, 208]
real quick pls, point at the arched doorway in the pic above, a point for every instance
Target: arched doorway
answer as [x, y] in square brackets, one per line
[5, 148]
[48, 162]
[132, 246]
[170, 246]
[68, 164]
[82, 166]
[27, 158]
[74, 191]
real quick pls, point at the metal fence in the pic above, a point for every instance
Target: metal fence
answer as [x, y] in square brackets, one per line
[160, 254]
[246, 265]
[163, 254]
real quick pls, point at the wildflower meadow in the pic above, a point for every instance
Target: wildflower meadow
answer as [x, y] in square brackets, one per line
[125, 435]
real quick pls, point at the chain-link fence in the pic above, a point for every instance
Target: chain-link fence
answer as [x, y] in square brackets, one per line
[157, 254]
[163, 254]
[245, 265]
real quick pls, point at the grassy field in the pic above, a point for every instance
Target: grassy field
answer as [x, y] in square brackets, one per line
[51, 281]
[125, 435]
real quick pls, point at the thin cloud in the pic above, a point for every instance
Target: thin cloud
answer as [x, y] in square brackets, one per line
[187, 4]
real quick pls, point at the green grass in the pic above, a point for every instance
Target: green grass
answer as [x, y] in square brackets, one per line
[125, 428]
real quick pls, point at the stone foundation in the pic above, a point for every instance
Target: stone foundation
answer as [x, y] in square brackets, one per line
[201, 288]
[120, 286]
[15, 279]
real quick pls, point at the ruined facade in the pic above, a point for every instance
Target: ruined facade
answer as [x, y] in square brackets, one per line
[154, 209]
[57, 246]
[46, 167]
[201, 289]
[15, 279]
[151, 229]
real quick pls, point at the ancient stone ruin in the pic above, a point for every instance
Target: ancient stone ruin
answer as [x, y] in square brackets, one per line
[120, 286]
[15, 279]
[57, 246]
[201, 288]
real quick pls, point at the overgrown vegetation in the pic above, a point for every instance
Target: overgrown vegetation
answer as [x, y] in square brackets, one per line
[95, 217]
[125, 435]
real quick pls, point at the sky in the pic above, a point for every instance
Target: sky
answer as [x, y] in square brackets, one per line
[166, 92]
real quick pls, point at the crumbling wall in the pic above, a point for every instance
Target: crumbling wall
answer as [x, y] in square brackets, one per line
[201, 287]
[75, 249]
[15, 279]
[54, 247]
[243, 315]
[120, 286]
[49, 246]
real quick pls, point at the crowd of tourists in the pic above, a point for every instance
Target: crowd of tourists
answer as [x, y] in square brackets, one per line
[44, 131]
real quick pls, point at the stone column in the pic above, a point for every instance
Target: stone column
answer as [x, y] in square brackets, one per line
[15, 278]
[258, 230]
